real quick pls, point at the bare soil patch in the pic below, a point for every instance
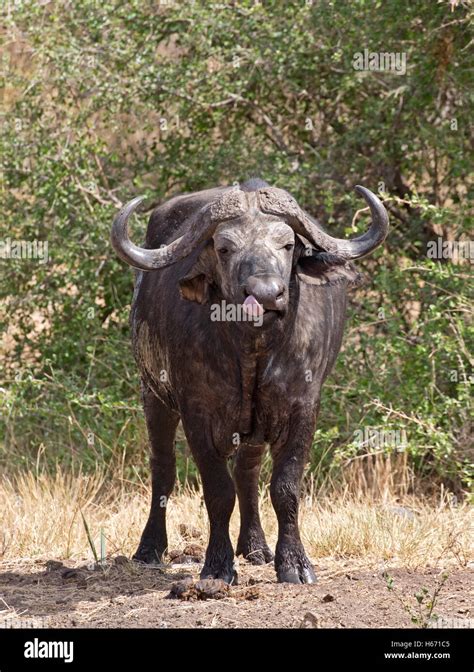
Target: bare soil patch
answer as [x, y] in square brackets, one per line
[127, 595]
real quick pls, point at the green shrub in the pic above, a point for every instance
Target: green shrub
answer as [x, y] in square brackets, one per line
[105, 100]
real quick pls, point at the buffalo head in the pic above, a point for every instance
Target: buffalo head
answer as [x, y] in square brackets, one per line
[251, 242]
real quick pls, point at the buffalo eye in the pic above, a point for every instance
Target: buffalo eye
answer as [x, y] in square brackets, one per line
[223, 251]
[289, 246]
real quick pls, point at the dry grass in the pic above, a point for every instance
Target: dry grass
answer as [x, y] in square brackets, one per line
[41, 518]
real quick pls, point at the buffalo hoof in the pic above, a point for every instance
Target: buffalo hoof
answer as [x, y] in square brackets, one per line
[293, 575]
[149, 554]
[294, 568]
[225, 572]
[256, 552]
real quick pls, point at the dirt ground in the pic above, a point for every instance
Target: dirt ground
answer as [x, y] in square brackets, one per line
[123, 594]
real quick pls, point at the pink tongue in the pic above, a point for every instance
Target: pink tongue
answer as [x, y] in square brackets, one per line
[252, 307]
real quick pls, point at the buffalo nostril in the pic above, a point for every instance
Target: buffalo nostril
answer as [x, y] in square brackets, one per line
[268, 290]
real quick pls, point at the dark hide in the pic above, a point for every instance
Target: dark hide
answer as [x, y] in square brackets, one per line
[236, 388]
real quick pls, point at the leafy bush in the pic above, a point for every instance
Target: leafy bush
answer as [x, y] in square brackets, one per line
[106, 100]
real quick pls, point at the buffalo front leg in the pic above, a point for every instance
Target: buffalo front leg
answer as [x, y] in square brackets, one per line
[291, 562]
[251, 544]
[219, 497]
[161, 425]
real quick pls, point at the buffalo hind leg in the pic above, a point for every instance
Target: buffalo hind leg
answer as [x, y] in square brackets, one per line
[291, 562]
[161, 425]
[252, 543]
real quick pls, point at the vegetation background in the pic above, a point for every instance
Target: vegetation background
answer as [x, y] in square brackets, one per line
[105, 100]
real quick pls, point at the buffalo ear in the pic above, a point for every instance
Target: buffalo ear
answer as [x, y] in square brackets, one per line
[195, 284]
[194, 288]
[316, 267]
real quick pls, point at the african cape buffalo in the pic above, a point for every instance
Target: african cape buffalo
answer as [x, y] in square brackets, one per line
[237, 385]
